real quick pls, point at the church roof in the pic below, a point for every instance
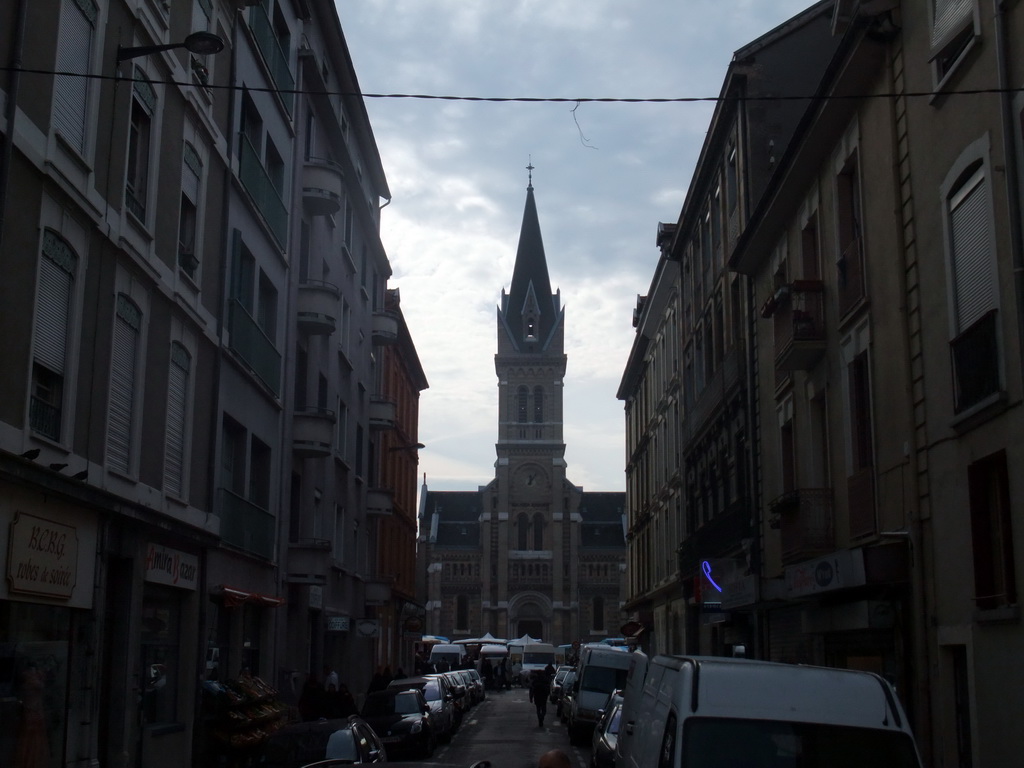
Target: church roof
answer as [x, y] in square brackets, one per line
[458, 515]
[601, 513]
[530, 280]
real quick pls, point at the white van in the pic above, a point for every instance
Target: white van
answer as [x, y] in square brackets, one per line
[536, 656]
[711, 712]
[601, 670]
[447, 652]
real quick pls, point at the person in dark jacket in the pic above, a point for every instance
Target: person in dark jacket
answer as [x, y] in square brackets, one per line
[539, 686]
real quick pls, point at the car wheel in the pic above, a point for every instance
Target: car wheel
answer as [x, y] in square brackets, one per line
[429, 746]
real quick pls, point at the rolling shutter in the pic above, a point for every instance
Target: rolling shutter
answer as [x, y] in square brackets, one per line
[53, 303]
[122, 384]
[177, 402]
[948, 18]
[74, 54]
[973, 278]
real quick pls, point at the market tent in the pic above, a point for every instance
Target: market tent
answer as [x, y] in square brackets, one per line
[489, 639]
[525, 640]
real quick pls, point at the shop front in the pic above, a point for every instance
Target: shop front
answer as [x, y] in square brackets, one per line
[48, 548]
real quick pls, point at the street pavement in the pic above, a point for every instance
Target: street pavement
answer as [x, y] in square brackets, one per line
[503, 730]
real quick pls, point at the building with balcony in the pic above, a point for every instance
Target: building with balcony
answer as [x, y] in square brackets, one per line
[192, 352]
[692, 474]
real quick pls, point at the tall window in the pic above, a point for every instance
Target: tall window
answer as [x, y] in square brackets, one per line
[860, 483]
[124, 361]
[191, 175]
[175, 436]
[232, 457]
[538, 404]
[597, 609]
[522, 397]
[952, 34]
[850, 263]
[266, 310]
[462, 612]
[74, 54]
[975, 346]
[995, 584]
[54, 295]
[538, 532]
[139, 139]
[522, 531]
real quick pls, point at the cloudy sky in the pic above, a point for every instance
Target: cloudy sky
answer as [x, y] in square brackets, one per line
[604, 175]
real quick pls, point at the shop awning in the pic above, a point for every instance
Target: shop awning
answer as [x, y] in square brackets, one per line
[234, 597]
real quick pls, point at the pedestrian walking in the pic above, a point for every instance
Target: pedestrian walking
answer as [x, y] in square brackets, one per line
[539, 686]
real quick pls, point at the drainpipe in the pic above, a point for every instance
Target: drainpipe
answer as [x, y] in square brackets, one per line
[13, 83]
[1011, 164]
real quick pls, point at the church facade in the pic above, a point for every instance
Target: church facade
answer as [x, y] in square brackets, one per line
[529, 553]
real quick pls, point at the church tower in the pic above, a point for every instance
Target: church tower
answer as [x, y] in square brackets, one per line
[532, 500]
[529, 553]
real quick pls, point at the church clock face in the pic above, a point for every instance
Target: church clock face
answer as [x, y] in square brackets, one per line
[529, 481]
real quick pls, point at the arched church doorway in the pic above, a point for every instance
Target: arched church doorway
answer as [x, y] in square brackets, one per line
[531, 627]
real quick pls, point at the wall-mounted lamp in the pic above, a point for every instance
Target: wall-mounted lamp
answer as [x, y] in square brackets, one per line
[202, 43]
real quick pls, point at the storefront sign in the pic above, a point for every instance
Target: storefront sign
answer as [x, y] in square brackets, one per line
[171, 567]
[840, 570]
[337, 623]
[739, 593]
[42, 557]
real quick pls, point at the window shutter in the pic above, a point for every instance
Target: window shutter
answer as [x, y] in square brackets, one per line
[53, 302]
[177, 402]
[74, 54]
[973, 280]
[949, 16]
[122, 385]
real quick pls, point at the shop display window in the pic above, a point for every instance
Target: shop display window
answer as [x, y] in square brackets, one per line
[33, 684]
[160, 654]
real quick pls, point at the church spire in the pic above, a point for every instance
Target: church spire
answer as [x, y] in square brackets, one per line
[530, 311]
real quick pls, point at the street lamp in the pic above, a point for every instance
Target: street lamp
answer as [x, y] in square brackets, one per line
[202, 43]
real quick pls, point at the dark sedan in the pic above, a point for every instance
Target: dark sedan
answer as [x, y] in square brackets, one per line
[606, 734]
[299, 744]
[402, 721]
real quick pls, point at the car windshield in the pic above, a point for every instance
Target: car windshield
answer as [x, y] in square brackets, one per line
[407, 703]
[714, 742]
[341, 746]
[432, 691]
[603, 679]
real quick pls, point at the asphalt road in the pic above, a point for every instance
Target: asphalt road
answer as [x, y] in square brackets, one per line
[503, 730]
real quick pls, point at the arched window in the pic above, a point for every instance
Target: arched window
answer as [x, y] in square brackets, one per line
[597, 607]
[521, 398]
[522, 530]
[538, 404]
[538, 531]
[462, 612]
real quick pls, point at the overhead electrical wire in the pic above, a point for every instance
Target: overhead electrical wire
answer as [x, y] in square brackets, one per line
[532, 99]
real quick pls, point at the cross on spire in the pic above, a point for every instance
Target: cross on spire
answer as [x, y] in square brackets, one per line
[530, 169]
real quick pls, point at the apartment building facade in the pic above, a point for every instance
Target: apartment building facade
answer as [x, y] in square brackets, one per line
[194, 314]
[691, 467]
[885, 374]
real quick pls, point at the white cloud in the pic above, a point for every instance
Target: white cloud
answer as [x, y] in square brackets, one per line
[605, 175]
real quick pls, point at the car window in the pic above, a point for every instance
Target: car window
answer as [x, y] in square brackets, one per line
[432, 690]
[604, 679]
[613, 721]
[341, 746]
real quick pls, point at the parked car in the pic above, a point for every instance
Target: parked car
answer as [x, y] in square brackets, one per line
[460, 694]
[565, 699]
[300, 744]
[701, 712]
[438, 693]
[556, 683]
[474, 684]
[606, 733]
[402, 721]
